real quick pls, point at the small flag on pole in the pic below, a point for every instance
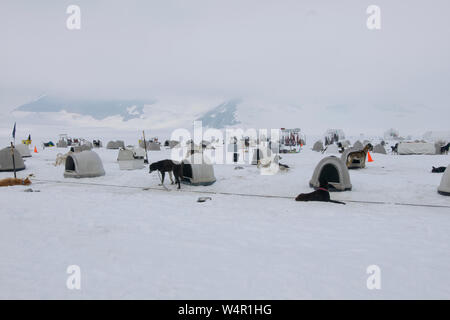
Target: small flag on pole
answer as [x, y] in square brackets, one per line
[14, 131]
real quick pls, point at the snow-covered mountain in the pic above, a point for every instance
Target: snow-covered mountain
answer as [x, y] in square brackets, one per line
[222, 116]
[164, 114]
[98, 109]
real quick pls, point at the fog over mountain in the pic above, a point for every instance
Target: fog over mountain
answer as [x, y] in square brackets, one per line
[163, 64]
[98, 109]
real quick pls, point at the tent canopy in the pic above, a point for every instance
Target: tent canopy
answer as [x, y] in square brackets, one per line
[333, 171]
[85, 164]
[6, 160]
[408, 148]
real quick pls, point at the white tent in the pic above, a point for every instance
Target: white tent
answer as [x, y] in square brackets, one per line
[131, 159]
[444, 187]
[332, 149]
[318, 146]
[86, 164]
[115, 144]
[408, 148]
[197, 170]
[6, 160]
[379, 149]
[24, 150]
[333, 171]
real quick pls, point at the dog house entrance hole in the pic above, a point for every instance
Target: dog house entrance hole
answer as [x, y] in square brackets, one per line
[187, 171]
[329, 174]
[70, 164]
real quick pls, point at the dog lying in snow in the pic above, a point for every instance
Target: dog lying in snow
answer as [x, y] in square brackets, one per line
[438, 169]
[169, 166]
[9, 182]
[321, 194]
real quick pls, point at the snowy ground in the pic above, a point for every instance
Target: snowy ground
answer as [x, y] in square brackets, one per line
[131, 243]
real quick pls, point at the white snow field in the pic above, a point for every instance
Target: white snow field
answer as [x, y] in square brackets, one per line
[157, 244]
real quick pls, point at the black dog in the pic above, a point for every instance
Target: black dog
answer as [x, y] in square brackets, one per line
[321, 194]
[341, 147]
[444, 149]
[438, 169]
[395, 148]
[169, 166]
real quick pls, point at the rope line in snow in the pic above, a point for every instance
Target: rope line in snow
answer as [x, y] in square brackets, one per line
[239, 194]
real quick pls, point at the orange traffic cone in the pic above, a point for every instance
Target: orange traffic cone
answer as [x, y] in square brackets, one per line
[369, 158]
[35, 149]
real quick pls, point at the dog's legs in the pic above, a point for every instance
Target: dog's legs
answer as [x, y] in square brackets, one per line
[162, 177]
[171, 177]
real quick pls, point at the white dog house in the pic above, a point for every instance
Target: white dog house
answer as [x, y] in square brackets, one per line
[444, 187]
[197, 170]
[333, 171]
[131, 159]
[85, 164]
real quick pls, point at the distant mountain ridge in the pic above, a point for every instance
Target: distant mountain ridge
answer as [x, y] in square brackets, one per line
[98, 109]
[221, 116]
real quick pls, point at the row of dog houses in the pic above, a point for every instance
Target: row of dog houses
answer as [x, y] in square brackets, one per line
[334, 171]
[404, 148]
[196, 169]
[87, 164]
[113, 145]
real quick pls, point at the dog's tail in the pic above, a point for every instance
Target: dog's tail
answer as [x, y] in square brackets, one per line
[334, 201]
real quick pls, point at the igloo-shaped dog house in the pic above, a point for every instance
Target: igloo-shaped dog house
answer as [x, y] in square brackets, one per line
[333, 171]
[444, 187]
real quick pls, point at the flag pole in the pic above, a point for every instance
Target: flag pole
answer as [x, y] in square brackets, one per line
[145, 147]
[12, 150]
[13, 159]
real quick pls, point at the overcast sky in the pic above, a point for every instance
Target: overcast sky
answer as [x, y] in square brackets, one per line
[296, 51]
